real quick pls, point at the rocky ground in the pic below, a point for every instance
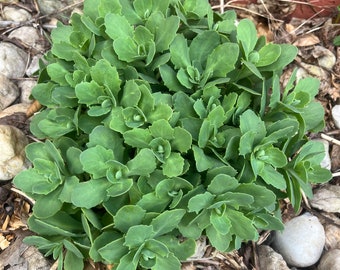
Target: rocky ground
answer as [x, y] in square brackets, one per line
[311, 239]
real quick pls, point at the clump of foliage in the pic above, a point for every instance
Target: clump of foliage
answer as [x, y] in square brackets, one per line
[164, 121]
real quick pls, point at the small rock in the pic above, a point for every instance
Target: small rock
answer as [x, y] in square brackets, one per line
[16, 14]
[28, 35]
[332, 236]
[326, 162]
[26, 87]
[12, 158]
[330, 260]
[327, 198]
[336, 115]
[270, 260]
[301, 242]
[15, 108]
[53, 7]
[8, 92]
[13, 60]
[325, 57]
[34, 66]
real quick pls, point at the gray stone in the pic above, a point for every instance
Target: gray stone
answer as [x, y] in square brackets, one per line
[26, 87]
[330, 260]
[8, 92]
[16, 14]
[13, 60]
[336, 115]
[12, 158]
[29, 36]
[34, 66]
[301, 242]
[270, 260]
[52, 6]
[327, 198]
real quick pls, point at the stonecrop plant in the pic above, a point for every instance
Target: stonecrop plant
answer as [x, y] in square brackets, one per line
[164, 121]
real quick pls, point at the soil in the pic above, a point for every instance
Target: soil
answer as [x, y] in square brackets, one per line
[279, 27]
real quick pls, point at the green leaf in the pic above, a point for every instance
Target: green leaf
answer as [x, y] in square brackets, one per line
[143, 7]
[101, 155]
[173, 165]
[203, 162]
[249, 121]
[126, 49]
[203, 45]
[167, 221]
[143, 163]
[222, 183]
[47, 206]
[89, 92]
[90, 194]
[247, 36]
[219, 241]
[200, 202]
[137, 235]
[61, 224]
[268, 54]
[104, 74]
[128, 216]
[169, 78]
[138, 137]
[120, 187]
[182, 140]
[241, 225]
[263, 197]
[109, 139]
[179, 52]
[288, 53]
[163, 35]
[114, 250]
[169, 262]
[161, 128]
[221, 223]
[222, 60]
[272, 177]
[72, 261]
[112, 20]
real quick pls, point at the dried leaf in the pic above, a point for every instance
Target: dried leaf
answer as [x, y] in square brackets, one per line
[307, 40]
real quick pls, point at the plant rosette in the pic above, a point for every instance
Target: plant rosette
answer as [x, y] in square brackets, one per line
[164, 121]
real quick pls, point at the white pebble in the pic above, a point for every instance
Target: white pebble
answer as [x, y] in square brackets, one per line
[301, 242]
[13, 60]
[8, 92]
[336, 115]
[330, 261]
[12, 158]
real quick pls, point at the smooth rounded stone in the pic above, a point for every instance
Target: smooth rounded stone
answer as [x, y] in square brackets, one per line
[28, 35]
[12, 158]
[16, 14]
[13, 60]
[327, 198]
[270, 260]
[330, 260]
[8, 92]
[326, 162]
[336, 115]
[332, 236]
[16, 108]
[52, 6]
[34, 66]
[325, 57]
[26, 87]
[301, 242]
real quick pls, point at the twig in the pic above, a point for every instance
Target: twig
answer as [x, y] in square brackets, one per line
[23, 195]
[337, 174]
[330, 139]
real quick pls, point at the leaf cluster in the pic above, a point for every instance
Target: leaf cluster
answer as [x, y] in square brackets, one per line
[164, 121]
